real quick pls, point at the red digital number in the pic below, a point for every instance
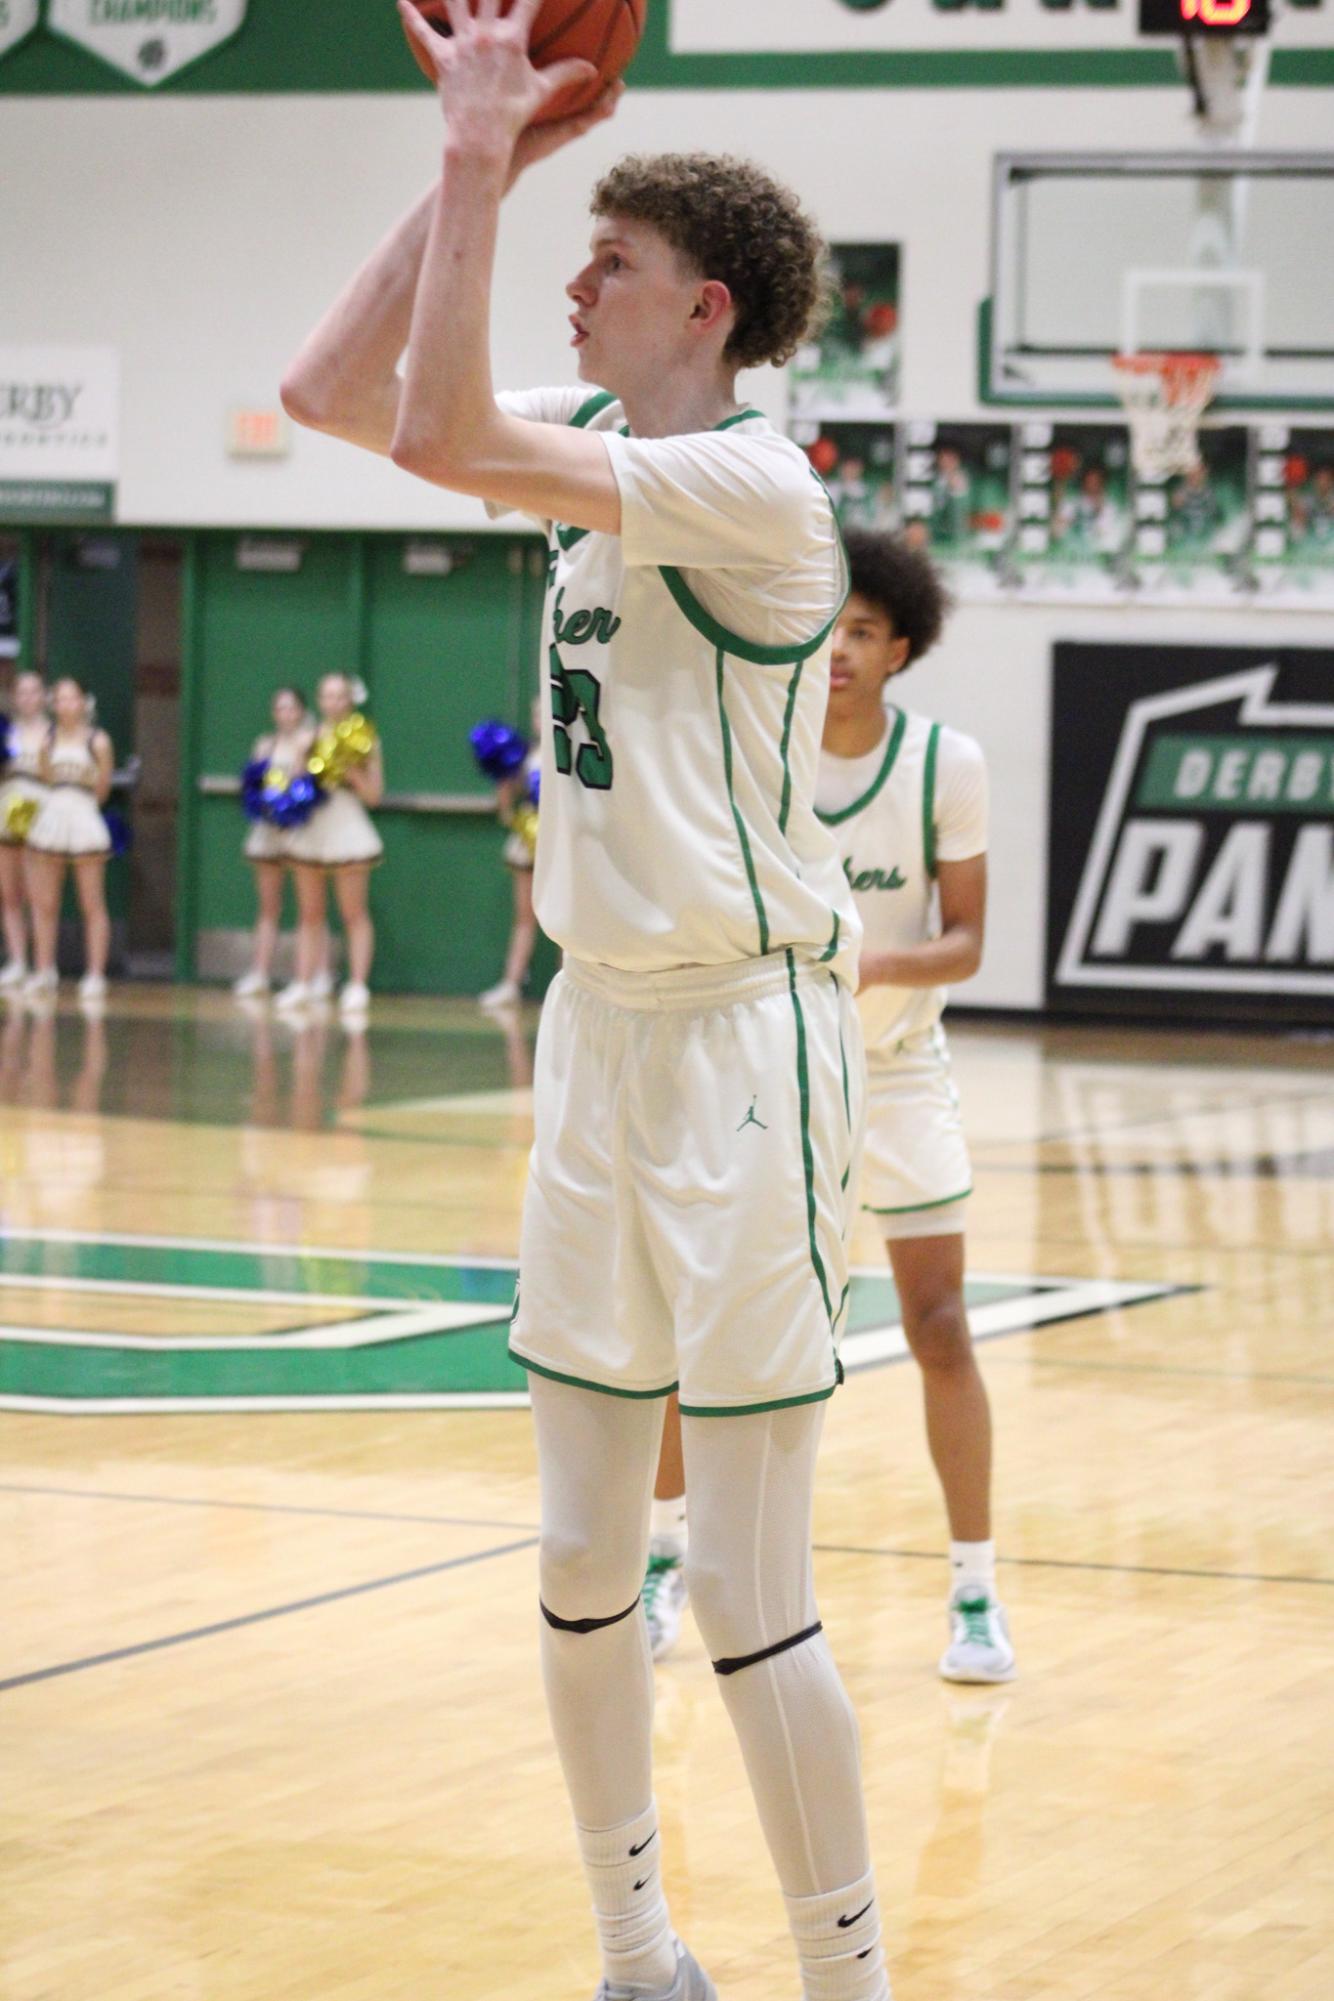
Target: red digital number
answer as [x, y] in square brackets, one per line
[1216, 13]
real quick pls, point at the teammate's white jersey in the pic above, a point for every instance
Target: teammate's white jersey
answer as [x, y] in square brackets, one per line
[688, 668]
[919, 798]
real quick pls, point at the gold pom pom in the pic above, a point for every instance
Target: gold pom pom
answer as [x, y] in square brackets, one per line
[19, 816]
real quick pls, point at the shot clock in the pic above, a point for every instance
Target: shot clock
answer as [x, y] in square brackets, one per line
[1204, 17]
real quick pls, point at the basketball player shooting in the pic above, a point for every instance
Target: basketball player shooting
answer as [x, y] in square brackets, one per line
[698, 1097]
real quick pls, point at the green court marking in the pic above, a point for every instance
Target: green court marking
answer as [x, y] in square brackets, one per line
[432, 1332]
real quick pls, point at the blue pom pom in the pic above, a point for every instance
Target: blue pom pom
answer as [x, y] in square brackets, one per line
[252, 788]
[294, 806]
[9, 742]
[499, 750]
[122, 834]
[535, 785]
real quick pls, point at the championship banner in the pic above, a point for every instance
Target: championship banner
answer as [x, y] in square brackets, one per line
[149, 40]
[17, 19]
[1191, 845]
[59, 433]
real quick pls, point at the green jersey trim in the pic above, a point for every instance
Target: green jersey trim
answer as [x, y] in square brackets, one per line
[582, 418]
[831, 949]
[582, 1382]
[807, 1153]
[755, 1409]
[761, 916]
[738, 417]
[594, 407]
[929, 800]
[790, 655]
[912, 1208]
[785, 746]
[878, 782]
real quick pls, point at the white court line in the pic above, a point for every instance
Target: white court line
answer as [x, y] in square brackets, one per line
[863, 1351]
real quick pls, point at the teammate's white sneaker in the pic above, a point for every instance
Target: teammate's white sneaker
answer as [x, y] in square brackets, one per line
[692, 1983]
[664, 1597]
[93, 987]
[14, 973]
[42, 983]
[295, 995]
[251, 985]
[355, 998]
[322, 986]
[505, 993]
[980, 1648]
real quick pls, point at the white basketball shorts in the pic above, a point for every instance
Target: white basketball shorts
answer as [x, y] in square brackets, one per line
[692, 1184]
[916, 1175]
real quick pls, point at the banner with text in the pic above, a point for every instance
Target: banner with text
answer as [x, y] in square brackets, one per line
[819, 27]
[59, 433]
[1192, 832]
[149, 40]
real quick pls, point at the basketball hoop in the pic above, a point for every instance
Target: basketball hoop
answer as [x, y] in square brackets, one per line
[1165, 397]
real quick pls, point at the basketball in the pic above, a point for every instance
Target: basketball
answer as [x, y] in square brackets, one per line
[603, 32]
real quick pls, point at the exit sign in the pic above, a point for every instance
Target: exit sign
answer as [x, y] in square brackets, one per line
[258, 434]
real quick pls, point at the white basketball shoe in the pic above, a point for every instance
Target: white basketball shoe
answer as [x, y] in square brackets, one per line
[980, 1648]
[692, 1983]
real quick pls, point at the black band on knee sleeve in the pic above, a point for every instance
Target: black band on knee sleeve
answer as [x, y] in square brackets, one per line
[586, 1625]
[767, 1653]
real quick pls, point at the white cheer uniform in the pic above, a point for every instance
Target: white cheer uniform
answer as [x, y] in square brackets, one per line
[21, 778]
[918, 799]
[698, 1097]
[338, 834]
[69, 821]
[285, 754]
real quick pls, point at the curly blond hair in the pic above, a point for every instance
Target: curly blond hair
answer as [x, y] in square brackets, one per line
[734, 223]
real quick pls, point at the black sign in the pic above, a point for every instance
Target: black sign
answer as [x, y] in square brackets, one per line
[1192, 832]
[1204, 17]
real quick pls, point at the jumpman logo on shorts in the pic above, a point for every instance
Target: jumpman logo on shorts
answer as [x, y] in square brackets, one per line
[751, 1120]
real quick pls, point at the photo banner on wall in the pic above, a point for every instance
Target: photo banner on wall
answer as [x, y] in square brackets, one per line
[149, 40]
[59, 433]
[1191, 845]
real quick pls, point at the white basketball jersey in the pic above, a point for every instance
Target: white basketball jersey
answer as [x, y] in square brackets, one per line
[679, 757]
[887, 846]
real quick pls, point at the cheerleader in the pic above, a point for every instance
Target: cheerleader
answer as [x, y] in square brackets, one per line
[284, 752]
[518, 855]
[21, 793]
[338, 843]
[69, 832]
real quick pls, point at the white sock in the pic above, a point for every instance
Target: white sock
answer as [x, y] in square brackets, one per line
[973, 1570]
[668, 1531]
[840, 1960]
[624, 1870]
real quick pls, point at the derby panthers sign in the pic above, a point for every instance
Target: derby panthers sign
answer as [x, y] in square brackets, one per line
[149, 40]
[1192, 830]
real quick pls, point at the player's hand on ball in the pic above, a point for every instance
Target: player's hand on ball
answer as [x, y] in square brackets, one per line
[488, 88]
[537, 142]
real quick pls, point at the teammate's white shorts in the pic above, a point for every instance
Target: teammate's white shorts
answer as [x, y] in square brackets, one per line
[692, 1184]
[916, 1175]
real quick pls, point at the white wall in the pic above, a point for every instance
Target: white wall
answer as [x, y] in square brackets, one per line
[200, 236]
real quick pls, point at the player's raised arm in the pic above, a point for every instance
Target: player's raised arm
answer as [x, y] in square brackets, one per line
[345, 380]
[450, 429]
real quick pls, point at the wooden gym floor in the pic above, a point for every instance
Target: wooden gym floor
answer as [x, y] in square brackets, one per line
[270, 1720]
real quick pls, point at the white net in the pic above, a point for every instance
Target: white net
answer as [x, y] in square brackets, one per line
[1165, 397]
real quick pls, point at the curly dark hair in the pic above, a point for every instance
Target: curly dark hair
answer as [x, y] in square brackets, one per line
[903, 582]
[736, 224]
